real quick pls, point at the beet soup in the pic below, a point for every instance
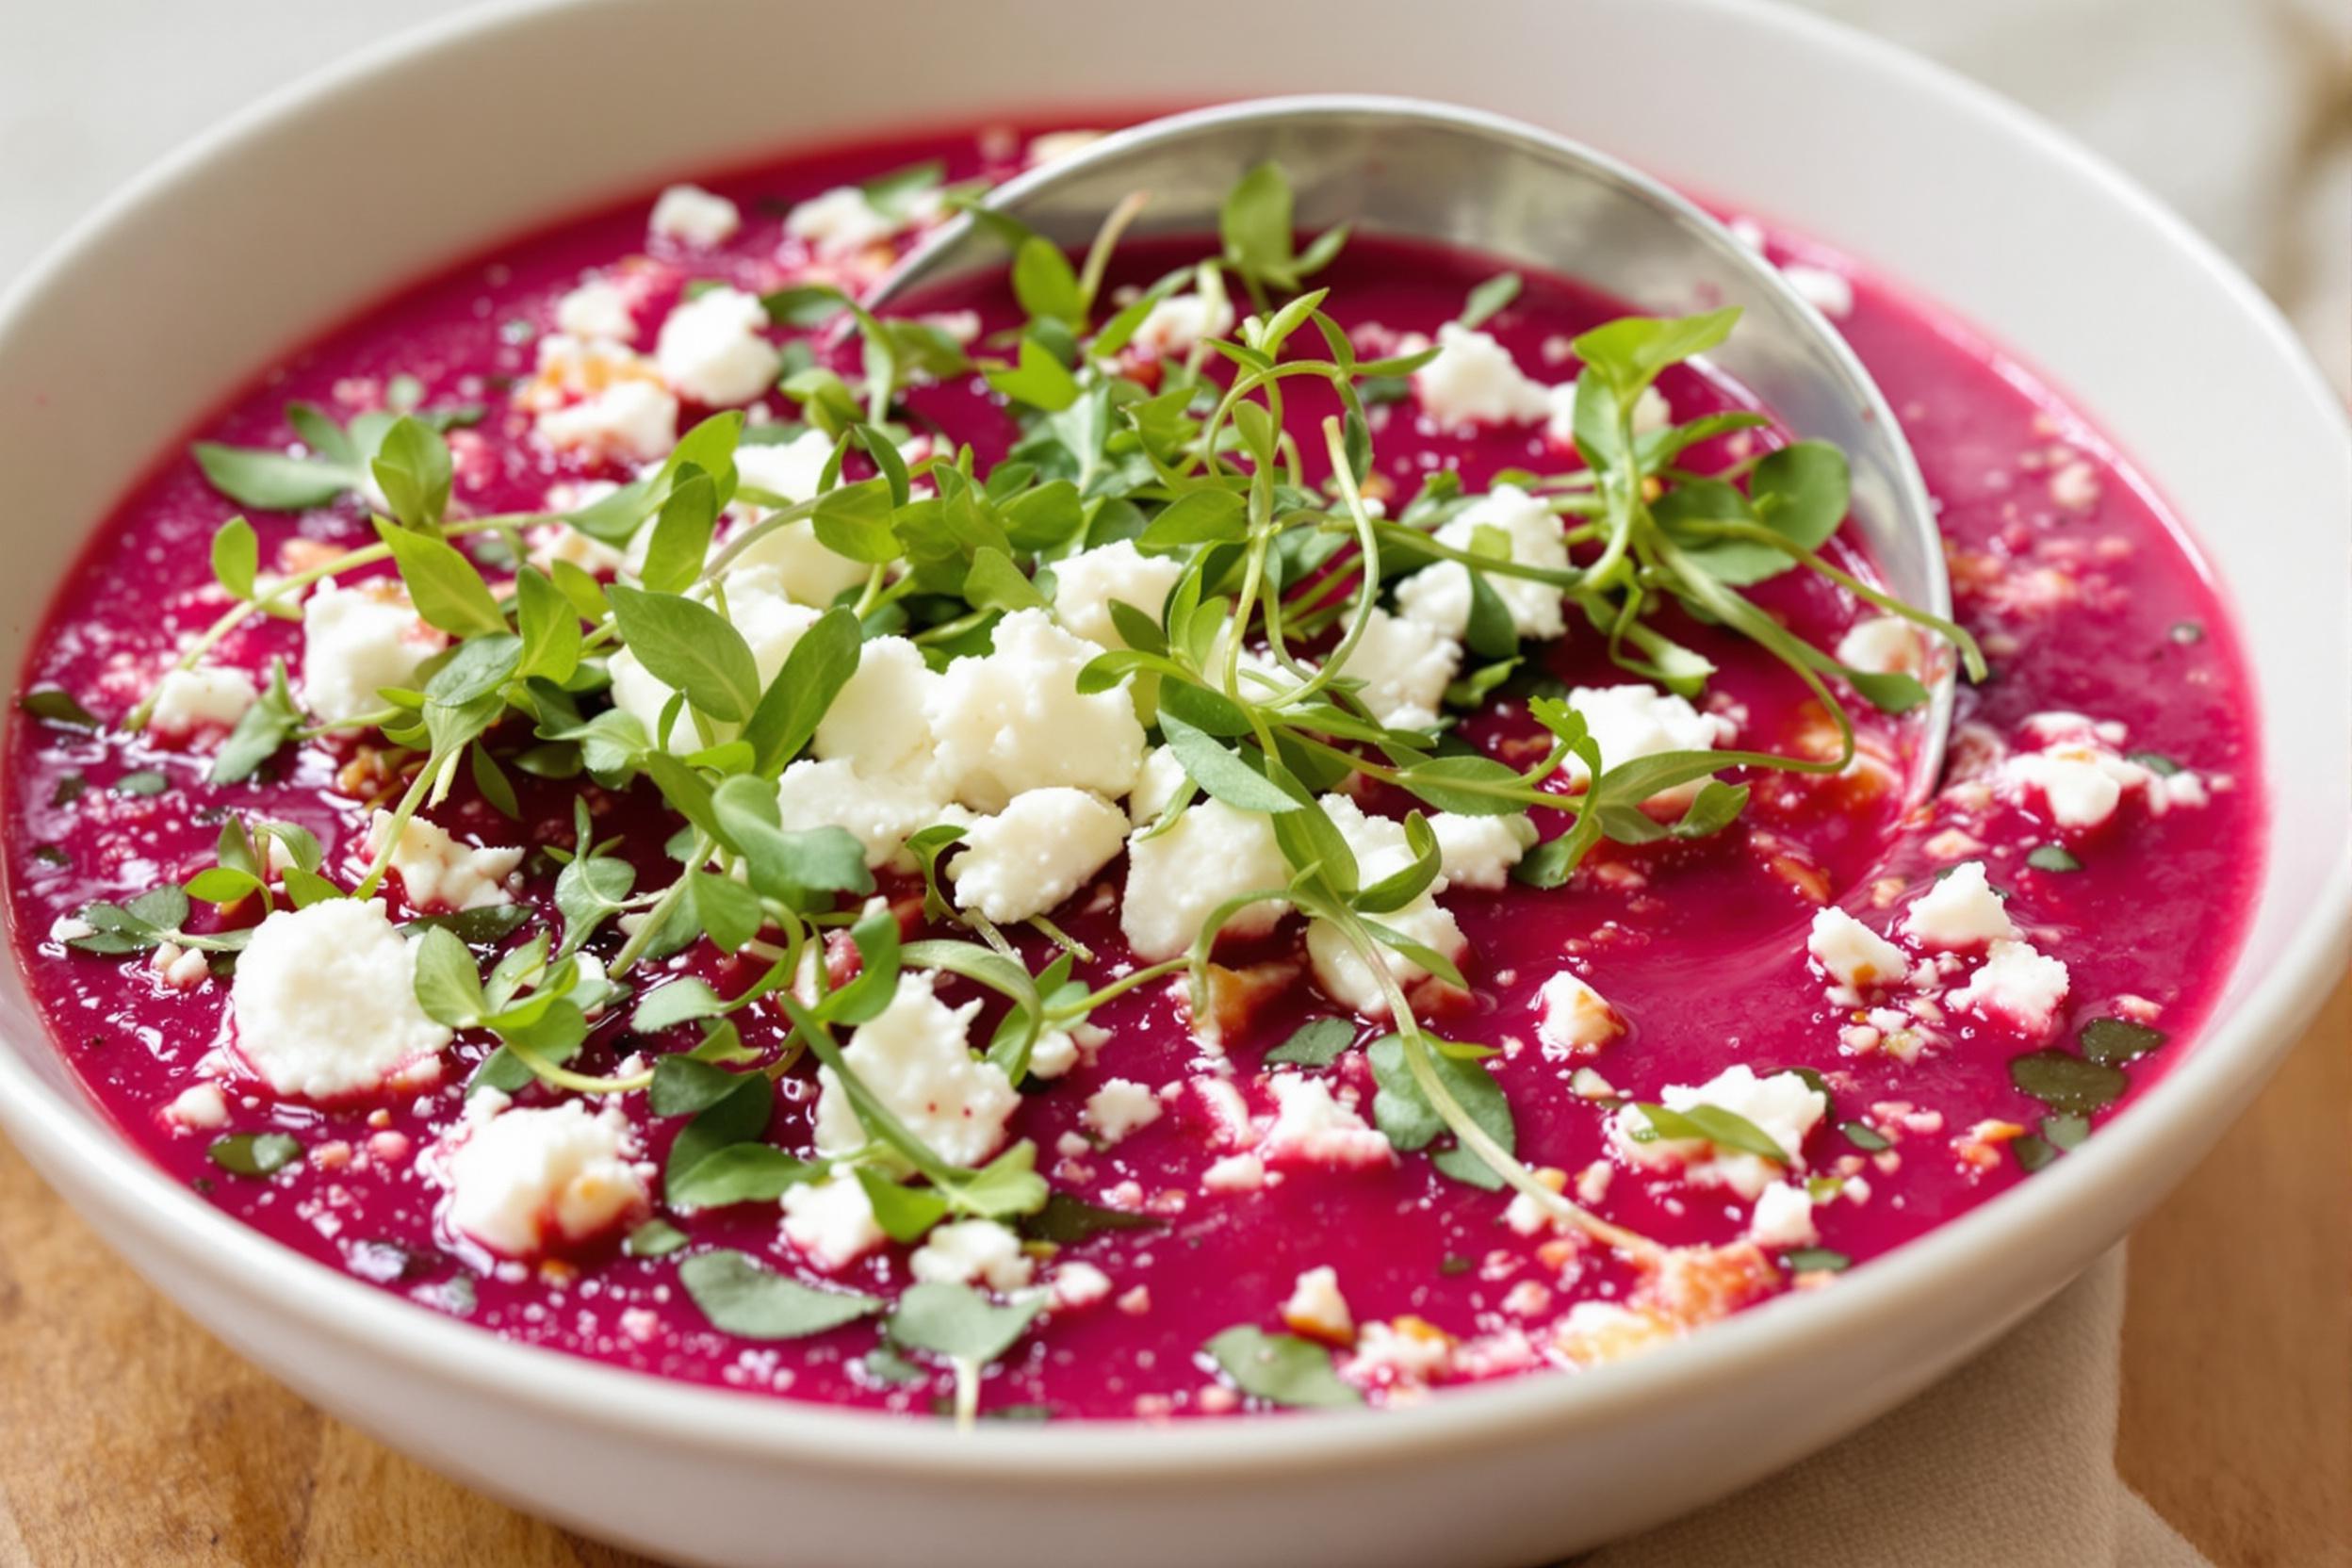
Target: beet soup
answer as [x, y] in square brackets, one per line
[1201, 828]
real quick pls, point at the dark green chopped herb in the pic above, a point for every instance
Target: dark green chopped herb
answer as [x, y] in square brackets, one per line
[2055, 858]
[1066, 1221]
[146, 781]
[2155, 763]
[741, 1296]
[1863, 1136]
[886, 1365]
[474, 928]
[52, 854]
[1281, 1369]
[1316, 1044]
[1454, 1264]
[68, 790]
[58, 708]
[2065, 1081]
[655, 1238]
[1817, 1260]
[958, 1322]
[2115, 1041]
[254, 1153]
[2064, 1131]
[2033, 1152]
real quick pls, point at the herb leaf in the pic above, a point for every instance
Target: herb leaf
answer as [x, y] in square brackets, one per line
[743, 1296]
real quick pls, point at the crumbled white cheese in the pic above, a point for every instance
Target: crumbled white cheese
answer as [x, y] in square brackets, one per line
[1312, 1128]
[790, 471]
[1079, 1284]
[1170, 329]
[1381, 850]
[1389, 1355]
[880, 813]
[913, 1057]
[1782, 1217]
[1157, 785]
[878, 722]
[183, 969]
[1959, 910]
[208, 697]
[1405, 667]
[1438, 596]
[1178, 878]
[198, 1108]
[839, 223]
[694, 215]
[1234, 1173]
[1037, 851]
[1479, 852]
[1571, 1018]
[1783, 1107]
[1651, 413]
[1316, 1308]
[771, 624]
[1118, 1108]
[525, 1182]
[1055, 1051]
[1633, 721]
[1474, 381]
[324, 1003]
[831, 1222]
[2083, 784]
[1851, 953]
[630, 419]
[597, 310]
[1085, 585]
[713, 349]
[1014, 719]
[1883, 644]
[438, 873]
[2016, 983]
[969, 1251]
[356, 641]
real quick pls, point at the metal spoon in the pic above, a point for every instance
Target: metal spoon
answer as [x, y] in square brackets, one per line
[1402, 166]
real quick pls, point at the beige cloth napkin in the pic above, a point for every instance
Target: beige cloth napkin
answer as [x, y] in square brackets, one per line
[2009, 1461]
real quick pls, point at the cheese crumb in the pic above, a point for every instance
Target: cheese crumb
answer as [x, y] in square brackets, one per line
[831, 1222]
[1037, 851]
[1852, 953]
[438, 873]
[694, 215]
[1086, 584]
[525, 1182]
[1571, 1018]
[1014, 719]
[209, 699]
[969, 1251]
[713, 349]
[1959, 910]
[1120, 1107]
[1177, 878]
[355, 642]
[2019, 984]
[1317, 1309]
[1474, 381]
[913, 1057]
[1312, 1128]
[1783, 1107]
[1782, 1217]
[324, 1003]
[1405, 667]
[1439, 597]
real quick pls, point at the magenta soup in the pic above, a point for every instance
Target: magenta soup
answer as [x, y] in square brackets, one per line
[1219, 826]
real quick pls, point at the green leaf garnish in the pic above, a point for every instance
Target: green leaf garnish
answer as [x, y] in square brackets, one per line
[745, 1298]
[1281, 1369]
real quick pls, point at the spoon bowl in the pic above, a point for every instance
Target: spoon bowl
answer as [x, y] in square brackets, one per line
[1436, 172]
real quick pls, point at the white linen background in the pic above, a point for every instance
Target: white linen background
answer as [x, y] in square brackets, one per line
[2237, 112]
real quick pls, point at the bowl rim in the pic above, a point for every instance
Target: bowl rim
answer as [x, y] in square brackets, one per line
[2222, 1071]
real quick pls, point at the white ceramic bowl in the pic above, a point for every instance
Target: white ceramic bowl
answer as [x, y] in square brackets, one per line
[369, 175]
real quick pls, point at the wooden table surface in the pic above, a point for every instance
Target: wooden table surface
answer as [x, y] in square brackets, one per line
[128, 1435]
